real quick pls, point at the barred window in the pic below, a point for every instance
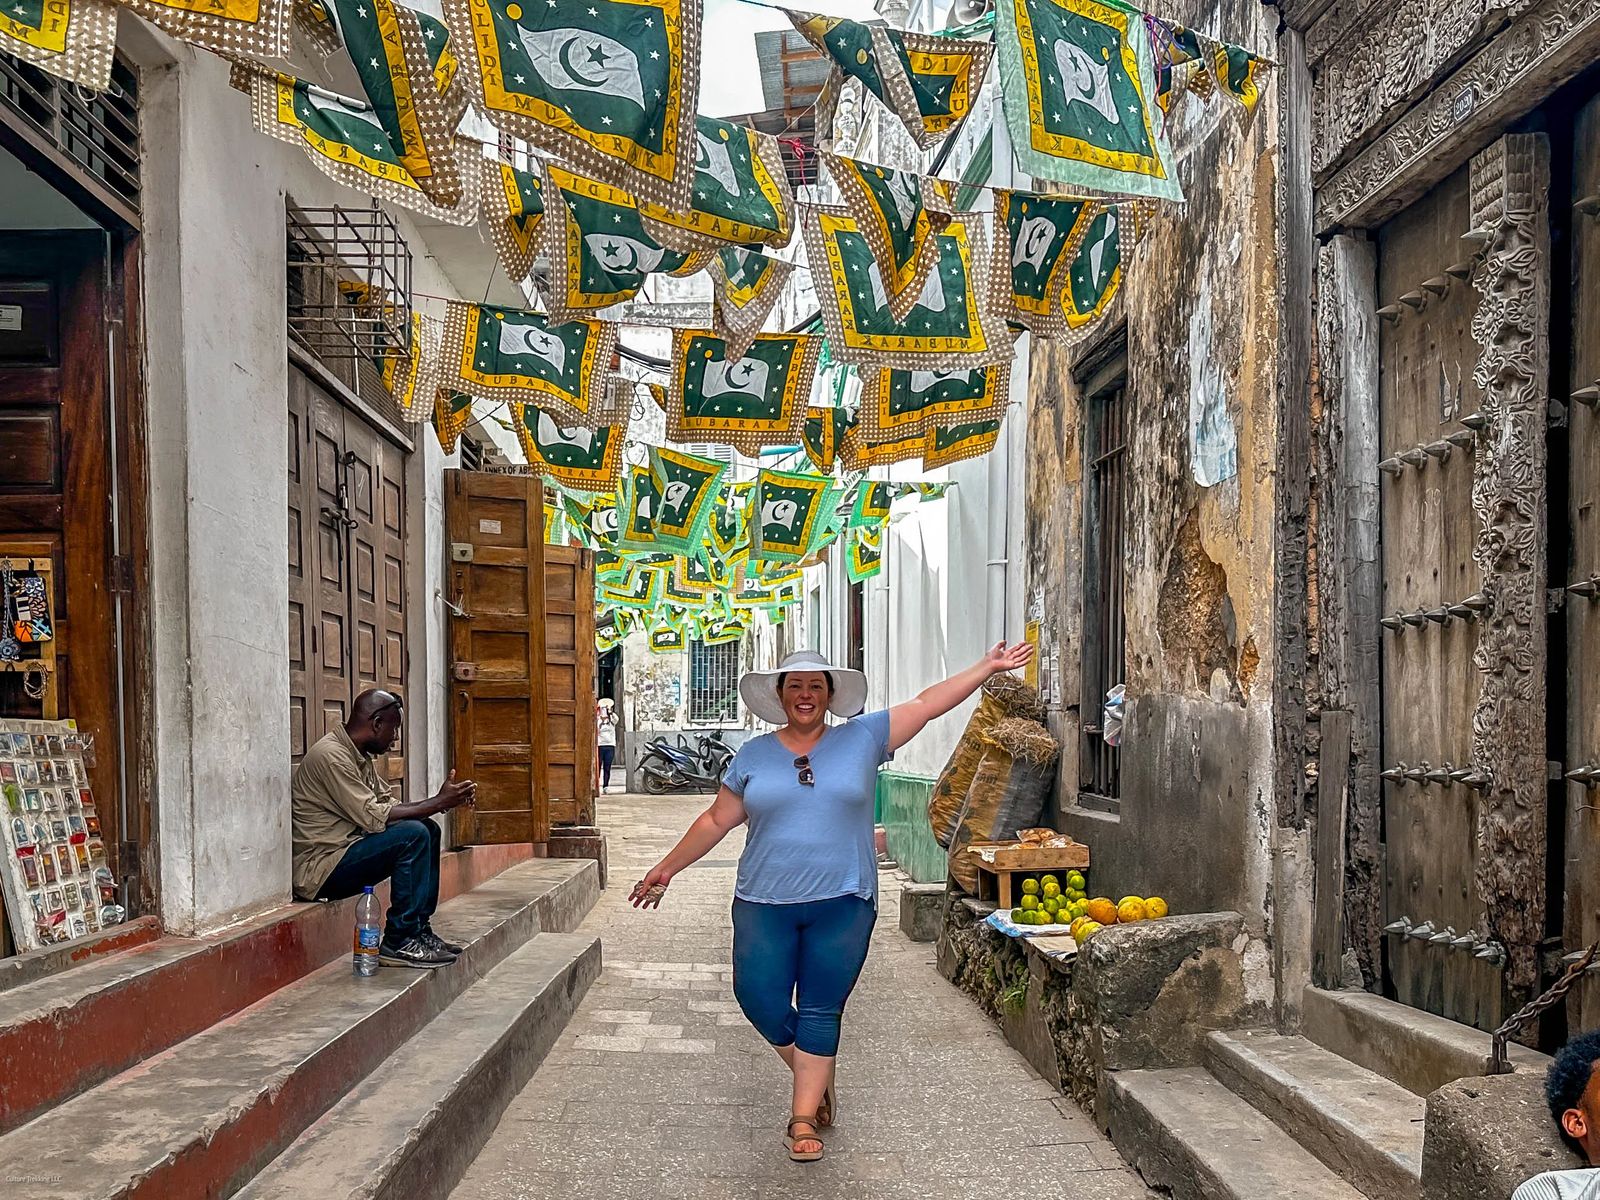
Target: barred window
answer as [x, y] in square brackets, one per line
[713, 683]
[1105, 411]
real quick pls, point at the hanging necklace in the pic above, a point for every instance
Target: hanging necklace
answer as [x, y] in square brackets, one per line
[10, 648]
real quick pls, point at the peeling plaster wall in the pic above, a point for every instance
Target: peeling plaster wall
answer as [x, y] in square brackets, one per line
[1201, 313]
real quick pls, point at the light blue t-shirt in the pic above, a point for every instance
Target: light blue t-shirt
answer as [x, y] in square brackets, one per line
[810, 843]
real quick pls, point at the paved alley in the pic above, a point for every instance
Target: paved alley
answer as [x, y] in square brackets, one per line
[659, 1088]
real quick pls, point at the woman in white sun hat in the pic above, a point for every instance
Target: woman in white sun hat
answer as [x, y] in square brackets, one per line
[806, 895]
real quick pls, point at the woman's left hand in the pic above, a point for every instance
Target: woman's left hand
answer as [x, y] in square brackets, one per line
[1008, 658]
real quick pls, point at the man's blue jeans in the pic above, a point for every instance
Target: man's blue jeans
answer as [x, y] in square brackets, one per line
[407, 854]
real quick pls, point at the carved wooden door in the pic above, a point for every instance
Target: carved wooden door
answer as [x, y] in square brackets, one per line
[569, 682]
[1432, 600]
[1579, 575]
[498, 691]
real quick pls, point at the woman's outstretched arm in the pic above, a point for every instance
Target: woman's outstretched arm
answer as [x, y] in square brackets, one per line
[907, 720]
[724, 816]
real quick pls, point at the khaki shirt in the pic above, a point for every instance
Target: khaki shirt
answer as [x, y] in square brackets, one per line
[338, 798]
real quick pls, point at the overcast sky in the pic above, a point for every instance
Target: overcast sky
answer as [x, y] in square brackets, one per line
[730, 80]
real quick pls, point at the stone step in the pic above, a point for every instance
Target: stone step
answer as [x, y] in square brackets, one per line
[411, 1128]
[1367, 1128]
[1418, 1050]
[66, 1032]
[204, 1116]
[1191, 1137]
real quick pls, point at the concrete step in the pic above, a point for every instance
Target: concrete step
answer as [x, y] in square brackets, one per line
[411, 1128]
[203, 1117]
[1418, 1050]
[65, 1032]
[1367, 1128]
[1190, 1136]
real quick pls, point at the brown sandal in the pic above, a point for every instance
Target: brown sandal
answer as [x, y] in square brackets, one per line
[789, 1139]
[825, 1109]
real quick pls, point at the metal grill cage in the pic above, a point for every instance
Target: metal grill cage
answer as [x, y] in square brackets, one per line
[349, 283]
[97, 131]
[1104, 619]
[713, 683]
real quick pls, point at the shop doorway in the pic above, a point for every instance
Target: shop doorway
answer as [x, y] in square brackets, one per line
[347, 564]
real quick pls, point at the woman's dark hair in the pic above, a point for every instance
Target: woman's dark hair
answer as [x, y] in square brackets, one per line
[1569, 1076]
[828, 675]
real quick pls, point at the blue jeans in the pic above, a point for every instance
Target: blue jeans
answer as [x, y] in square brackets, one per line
[407, 854]
[608, 755]
[794, 966]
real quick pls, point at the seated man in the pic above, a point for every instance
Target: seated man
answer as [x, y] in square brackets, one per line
[1573, 1090]
[349, 833]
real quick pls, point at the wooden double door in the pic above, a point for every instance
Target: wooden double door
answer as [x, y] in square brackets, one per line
[1489, 351]
[347, 563]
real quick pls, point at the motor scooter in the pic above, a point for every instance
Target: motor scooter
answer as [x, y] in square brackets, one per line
[667, 767]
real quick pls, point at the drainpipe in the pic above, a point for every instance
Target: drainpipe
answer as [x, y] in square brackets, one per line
[999, 537]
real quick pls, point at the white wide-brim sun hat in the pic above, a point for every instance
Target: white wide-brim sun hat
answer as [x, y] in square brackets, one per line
[759, 689]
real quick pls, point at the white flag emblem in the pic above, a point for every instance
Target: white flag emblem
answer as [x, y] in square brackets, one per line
[576, 60]
[1084, 81]
[341, 113]
[1097, 252]
[548, 433]
[676, 494]
[1033, 242]
[742, 377]
[779, 515]
[932, 297]
[535, 340]
[712, 157]
[906, 194]
[619, 255]
[923, 382]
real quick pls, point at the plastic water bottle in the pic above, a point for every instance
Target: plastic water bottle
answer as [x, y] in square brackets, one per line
[364, 961]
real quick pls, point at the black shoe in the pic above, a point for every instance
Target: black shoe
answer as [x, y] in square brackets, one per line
[435, 942]
[413, 952]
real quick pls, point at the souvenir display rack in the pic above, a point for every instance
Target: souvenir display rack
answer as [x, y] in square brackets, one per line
[42, 655]
[56, 876]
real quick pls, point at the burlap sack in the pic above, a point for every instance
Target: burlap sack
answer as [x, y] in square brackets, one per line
[1007, 793]
[1003, 696]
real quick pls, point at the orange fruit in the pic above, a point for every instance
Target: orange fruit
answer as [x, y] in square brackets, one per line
[1102, 911]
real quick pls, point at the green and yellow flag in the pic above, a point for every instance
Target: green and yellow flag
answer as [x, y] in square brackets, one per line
[1038, 236]
[249, 28]
[1079, 89]
[900, 403]
[687, 488]
[512, 203]
[610, 86]
[955, 322]
[635, 589]
[741, 193]
[789, 513]
[872, 503]
[727, 538]
[746, 285]
[410, 372]
[636, 511]
[575, 456]
[898, 213]
[864, 555]
[1095, 277]
[824, 432]
[452, 412]
[716, 631]
[514, 354]
[599, 251]
[73, 40]
[946, 445]
[667, 632]
[347, 141]
[749, 402]
[929, 82]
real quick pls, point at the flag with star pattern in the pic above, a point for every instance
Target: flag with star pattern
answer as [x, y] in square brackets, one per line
[718, 630]
[634, 589]
[899, 403]
[667, 633]
[511, 200]
[73, 40]
[954, 443]
[872, 503]
[864, 555]
[515, 354]
[636, 511]
[599, 251]
[687, 488]
[389, 45]
[1036, 240]
[1079, 90]
[727, 538]
[410, 372]
[929, 82]
[741, 193]
[746, 285]
[347, 141]
[252, 28]
[788, 514]
[603, 523]
[956, 320]
[1095, 276]
[610, 86]
[824, 433]
[452, 412]
[575, 456]
[749, 402]
[898, 212]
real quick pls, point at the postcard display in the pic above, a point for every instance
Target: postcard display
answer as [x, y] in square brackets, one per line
[56, 877]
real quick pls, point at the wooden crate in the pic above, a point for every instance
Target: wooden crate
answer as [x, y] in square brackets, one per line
[998, 881]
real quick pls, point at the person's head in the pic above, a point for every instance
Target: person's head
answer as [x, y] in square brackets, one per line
[1573, 1089]
[374, 722]
[805, 696]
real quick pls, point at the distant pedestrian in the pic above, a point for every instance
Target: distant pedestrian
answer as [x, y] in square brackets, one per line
[605, 725]
[807, 890]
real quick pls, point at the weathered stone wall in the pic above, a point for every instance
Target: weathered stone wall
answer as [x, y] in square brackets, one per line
[1201, 314]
